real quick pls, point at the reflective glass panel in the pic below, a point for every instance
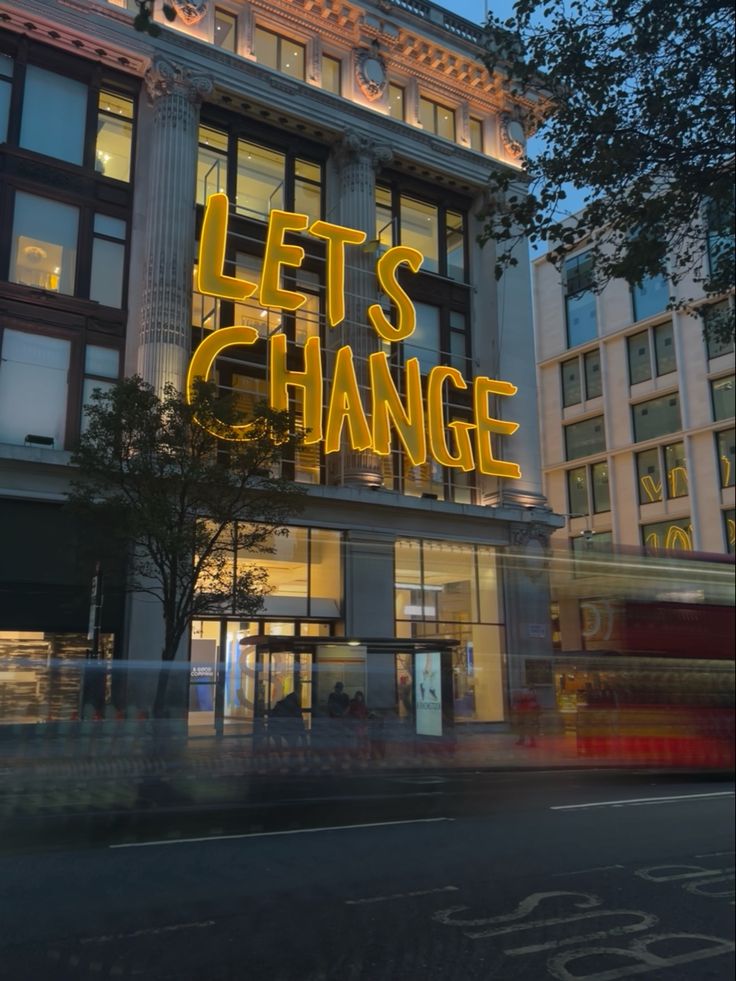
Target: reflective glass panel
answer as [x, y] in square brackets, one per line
[266, 48]
[114, 136]
[225, 30]
[581, 318]
[571, 393]
[103, 361]
[593, 377]
[6, 86]
[455, 245]
[44, 244]
[396, 102]
[650, 297]
[331, 74]
[211, 163]
[640, 362]
[676, 467]
[34, 373]
[584, 438]
[672, 535]
[419, 230]
[106, 278]
[577, 491]
[325, 573]
[260, 184]
[723, 398]
[475, 132]
[664, 349]
[727, 456]
[601, 493]
[656, 417]
[54, 115]
[425, 341]
[729, 527]
[649, 476]
[714, 316]
[449, 581]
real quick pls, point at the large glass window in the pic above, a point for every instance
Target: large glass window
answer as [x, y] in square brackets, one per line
[649, 476]
[436, 118]
[715, 316]
[307, 188]
[455, 245]
[640, 360]
[577, 491]
[729, 528]
[650, 297]
[425, 341]
[656, 417]
[419, 225]
[279, 52]
[54, 115]
[723, 398]
[601, 492]
[584, 438]
[581, 378]
[572, 393]
[108, 261]
[651, 464]
[260, 184]
[587, 488]
[581, 318]
[676, 469]
[664, 349]
[475, 133]
[726, 441]
[675, 534]
[44, 244]
[593, 377]
[114, 136]
[211, 163]
[101, 371]
[34, 385]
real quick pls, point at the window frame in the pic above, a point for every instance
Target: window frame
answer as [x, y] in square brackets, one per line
[647, 402]
[280, 39]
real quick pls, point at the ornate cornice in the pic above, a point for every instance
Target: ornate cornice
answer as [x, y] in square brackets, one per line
[165, 78]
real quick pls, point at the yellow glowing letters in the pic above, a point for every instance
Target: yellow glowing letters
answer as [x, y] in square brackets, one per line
[345, 410]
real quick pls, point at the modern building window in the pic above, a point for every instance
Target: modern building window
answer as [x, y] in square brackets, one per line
[580, 304]
[581, 378]
[651, 464]
[101, 371]
[587, 490]
[54, 115]
[108, 261]
[226, 30]
[419, 222]
[438, 232]
[6, 89]
[715, 315]
[114, 136]
[260, 180]
[726, 443]
[657, 417]
[585, 438]
[34, 387]
[722, 394]
[211, 163]
[720, 221]
[396, 101]
[674, 534]
[425, 341]
[44, 244]
[307, 188]
[591, 542]
[650, 297]
[436, 118]
[280, 53]
[459, 355]
[475, 133]
[642, 366]
[332, 74]
[729, 528]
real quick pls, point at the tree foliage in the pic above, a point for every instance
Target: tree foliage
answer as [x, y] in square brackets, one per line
[144, 21]
[165, 481]
[638, 114]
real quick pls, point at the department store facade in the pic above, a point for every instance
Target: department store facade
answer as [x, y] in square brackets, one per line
[375, 117]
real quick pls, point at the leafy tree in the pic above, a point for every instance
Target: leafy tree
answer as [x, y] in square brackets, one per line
[169, 482]
[143, 20]
[637, 111]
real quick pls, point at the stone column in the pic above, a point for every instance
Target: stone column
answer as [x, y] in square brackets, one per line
[357, 159]
[175, 94]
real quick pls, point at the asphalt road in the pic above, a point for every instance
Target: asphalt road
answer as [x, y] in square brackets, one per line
[444, 876]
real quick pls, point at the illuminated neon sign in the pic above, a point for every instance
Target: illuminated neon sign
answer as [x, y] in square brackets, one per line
[418, 422]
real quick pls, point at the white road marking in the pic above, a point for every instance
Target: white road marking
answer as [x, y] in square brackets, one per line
[674, 873]
[146, 932]
[274, 834]
[646, 920]
[597, 868]
[400, 895]
[715, 854]
[640, 800]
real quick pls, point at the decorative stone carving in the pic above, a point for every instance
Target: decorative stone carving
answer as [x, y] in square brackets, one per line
[353, 147]
[370, 72]
[532, 532]
[166, 78]
[190, 11]
[513, 135]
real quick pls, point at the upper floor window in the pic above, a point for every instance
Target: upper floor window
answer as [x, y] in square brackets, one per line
[268, 179]
[587, 490]
[475, 134]
[656, 417]
[332, 74]
[660, 341]
[436, 231]
[54, 115]
[581, 378]
[729, 526]
[650, 297]
[584, 438]
[279, 52]
[720, 222]
[114, 135]
[580, 305]
[396, 101]
[211, 163]
[723, 398]
[436, 118]
[717, 315]
[677, 533]
[226, 29]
